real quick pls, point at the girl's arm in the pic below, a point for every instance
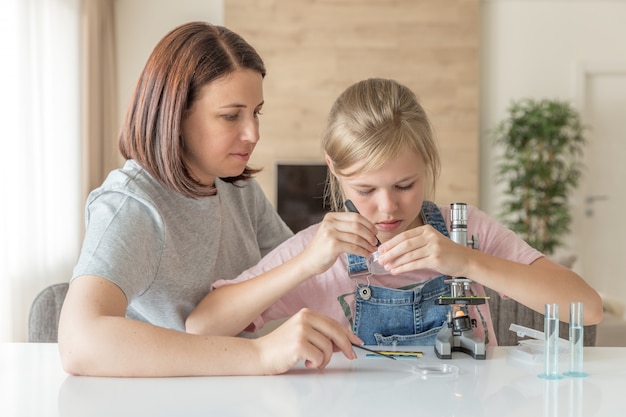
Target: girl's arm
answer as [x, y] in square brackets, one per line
[95, 338]
[230, 309]
[534, 285]
[538, 284]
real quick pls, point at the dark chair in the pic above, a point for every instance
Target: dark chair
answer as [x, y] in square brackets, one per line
[43, 320]
[507, 311]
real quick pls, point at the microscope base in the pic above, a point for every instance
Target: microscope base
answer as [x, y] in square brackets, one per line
[467, 342]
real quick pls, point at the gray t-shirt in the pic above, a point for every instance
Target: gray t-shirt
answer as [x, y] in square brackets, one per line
[165, 250]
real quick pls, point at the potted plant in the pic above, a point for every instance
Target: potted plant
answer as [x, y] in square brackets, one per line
[541, 165]
[542, 143]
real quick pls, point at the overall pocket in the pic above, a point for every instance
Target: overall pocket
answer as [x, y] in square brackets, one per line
[426, 338]
[401, 316]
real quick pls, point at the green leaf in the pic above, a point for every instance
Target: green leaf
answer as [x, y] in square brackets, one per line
[542, 143]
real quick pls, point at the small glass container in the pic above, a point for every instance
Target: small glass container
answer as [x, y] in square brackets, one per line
[373, 266]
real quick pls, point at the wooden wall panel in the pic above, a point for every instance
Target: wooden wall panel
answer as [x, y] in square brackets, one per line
[315, 49]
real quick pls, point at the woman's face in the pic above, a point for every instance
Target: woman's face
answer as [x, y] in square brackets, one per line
[222, 127]
[391, 196]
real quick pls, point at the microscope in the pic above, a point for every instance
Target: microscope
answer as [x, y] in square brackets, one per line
[458, 334]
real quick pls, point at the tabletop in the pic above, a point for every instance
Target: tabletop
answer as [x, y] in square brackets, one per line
[32, 383]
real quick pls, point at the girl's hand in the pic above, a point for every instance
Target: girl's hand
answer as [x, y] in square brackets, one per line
[424, 248]
[339, 233]
[308, 336]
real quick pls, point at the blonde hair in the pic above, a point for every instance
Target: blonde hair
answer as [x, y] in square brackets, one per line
[369, 125]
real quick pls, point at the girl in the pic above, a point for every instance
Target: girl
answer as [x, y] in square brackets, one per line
[381, 155]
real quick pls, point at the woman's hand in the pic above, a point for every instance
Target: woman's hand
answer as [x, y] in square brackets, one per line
[424, 248]
[308, 336]
[337, 234]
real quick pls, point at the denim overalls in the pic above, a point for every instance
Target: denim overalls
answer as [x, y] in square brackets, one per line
[406, 316]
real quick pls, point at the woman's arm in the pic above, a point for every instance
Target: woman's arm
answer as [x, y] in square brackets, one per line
[95, 338]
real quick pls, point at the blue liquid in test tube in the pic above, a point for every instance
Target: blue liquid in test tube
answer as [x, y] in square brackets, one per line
[551, 334]
[576, 338]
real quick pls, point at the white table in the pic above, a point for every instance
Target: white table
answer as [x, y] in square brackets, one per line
[32, 383]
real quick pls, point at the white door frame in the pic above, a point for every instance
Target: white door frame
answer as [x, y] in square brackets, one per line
[583, 70]
[581, 74]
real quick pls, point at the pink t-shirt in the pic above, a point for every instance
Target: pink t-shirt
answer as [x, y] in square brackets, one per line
[323, 292]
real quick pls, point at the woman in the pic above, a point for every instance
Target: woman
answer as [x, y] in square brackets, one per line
[182, 212]
[382, 157]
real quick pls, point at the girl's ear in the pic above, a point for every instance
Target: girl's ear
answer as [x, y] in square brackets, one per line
[329, 162]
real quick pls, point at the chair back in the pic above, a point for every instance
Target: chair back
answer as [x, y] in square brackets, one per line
[43, 320]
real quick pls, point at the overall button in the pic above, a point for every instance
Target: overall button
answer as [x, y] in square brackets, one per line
[365, 292]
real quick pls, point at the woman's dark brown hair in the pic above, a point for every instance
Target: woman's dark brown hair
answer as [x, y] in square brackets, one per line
[184, 61]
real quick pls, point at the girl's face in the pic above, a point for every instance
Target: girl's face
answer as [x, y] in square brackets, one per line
[222, 127]
[391, 196]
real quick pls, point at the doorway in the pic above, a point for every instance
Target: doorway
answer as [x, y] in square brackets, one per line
[599, 228]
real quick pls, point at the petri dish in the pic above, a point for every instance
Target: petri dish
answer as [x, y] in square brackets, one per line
[436, 370]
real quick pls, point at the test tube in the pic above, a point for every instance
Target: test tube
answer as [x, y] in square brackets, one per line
[551, 334]
[576, 338]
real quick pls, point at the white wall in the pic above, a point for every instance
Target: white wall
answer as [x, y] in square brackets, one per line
[140, 24]
[535, 48]
[530, 48]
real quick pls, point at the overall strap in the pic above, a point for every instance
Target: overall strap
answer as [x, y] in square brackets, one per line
[432, 215]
